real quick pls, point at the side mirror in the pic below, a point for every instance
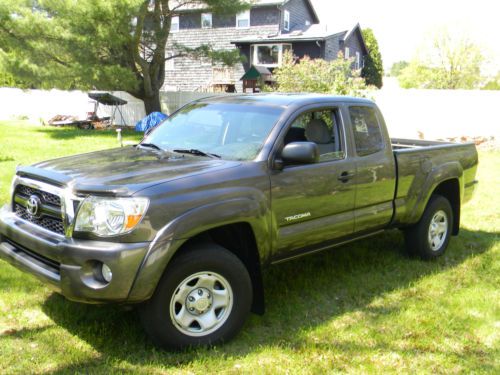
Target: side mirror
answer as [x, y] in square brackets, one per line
[300, 153]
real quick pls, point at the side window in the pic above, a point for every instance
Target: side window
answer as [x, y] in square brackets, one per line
[320, 127]
[367, 134]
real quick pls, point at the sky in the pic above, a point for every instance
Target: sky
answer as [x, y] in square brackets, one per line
[402, 26]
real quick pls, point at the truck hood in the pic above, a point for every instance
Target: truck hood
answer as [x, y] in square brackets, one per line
[123, 171]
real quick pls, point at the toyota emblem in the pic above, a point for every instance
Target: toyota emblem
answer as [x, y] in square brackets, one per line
[33, 206]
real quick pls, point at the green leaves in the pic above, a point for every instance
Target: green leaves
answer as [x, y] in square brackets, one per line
[68, 44]
[95, 44]
[320, 76]
[373, 71]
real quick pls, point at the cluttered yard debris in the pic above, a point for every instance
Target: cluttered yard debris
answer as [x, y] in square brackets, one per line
[478, 141]
[92, 120]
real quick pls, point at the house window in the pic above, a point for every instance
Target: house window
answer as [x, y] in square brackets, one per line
[269, 55]
[347, 52]
[174, 25]
[206, 20]
[286, 21]
[169, 62]
[358, 60]
[243, 19]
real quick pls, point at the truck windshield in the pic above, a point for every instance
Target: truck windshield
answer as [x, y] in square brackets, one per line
[231, 131]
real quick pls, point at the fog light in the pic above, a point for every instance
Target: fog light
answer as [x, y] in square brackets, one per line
[107, 275]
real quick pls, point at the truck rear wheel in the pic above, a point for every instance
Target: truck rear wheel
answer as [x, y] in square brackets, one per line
[203, 298]
[429, 238]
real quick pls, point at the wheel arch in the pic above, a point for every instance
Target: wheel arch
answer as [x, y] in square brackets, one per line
[251, 227]
[450, 189]
[239, 239]
[446, 180]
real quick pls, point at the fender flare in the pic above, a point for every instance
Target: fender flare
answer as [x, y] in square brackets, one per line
[445, 172]
[190, 224]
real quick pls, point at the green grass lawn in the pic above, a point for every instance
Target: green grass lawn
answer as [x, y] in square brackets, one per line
[361, 308]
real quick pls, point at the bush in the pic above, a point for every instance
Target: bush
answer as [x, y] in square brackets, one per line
[320, 76]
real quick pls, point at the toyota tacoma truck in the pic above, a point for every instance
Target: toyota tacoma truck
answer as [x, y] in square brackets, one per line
[184, 223]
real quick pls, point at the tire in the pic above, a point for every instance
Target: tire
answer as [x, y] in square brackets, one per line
[203, 298]
[429, 238]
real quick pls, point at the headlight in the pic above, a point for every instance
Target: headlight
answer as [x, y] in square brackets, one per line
[110, 216]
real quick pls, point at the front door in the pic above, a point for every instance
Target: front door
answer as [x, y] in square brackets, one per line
[314, 203]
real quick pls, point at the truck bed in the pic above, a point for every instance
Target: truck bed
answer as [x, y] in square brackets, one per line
[420, 163]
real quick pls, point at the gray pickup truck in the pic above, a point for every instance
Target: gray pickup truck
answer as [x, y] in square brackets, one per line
[184, 223]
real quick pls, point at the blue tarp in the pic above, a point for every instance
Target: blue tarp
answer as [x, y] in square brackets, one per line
[150, 121]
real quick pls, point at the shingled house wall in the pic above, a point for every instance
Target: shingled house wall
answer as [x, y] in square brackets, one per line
[188, 74]
[300, 15]
[199, 75]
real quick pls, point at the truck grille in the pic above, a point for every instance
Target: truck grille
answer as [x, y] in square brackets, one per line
[51, 208]
[49, 198]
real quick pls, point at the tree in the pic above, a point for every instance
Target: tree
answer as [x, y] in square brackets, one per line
[449, 62]
[397, 67]
[329, 77]
[8, 80]
[373, 71]
[101, 44]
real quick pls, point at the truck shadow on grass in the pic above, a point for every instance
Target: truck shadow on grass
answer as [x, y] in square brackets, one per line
[301, 295]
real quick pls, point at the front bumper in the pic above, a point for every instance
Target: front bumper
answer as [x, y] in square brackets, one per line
[69, 265]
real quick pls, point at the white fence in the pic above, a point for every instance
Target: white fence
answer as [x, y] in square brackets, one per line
[43, 105]
[440, 113]
[408, 113]
[432, 114]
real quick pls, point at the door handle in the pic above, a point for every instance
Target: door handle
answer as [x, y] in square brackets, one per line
[345, 176]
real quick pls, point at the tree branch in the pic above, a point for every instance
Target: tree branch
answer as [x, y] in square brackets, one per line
[26, 45]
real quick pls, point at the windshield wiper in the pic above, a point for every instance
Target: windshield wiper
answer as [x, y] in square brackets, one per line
[150, 145]
[196, 152]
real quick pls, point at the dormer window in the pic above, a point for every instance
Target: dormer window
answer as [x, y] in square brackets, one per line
[243, 20]
[286, 20]
[206, 20]
[174, 24]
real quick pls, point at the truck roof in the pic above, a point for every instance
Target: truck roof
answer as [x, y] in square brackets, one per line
[282, 99]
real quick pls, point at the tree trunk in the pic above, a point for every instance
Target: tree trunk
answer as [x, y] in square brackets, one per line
[152, 103]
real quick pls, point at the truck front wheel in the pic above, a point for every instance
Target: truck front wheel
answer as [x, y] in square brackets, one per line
[429, 238]
[203, 298]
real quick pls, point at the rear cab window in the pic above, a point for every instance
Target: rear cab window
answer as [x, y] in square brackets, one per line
[366, 129]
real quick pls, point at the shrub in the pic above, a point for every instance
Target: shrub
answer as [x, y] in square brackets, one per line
[320, 76]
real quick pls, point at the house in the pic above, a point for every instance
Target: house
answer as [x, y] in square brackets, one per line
[262, 34]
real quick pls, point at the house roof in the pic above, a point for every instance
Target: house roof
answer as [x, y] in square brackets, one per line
[183, 5]
[316, 32]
